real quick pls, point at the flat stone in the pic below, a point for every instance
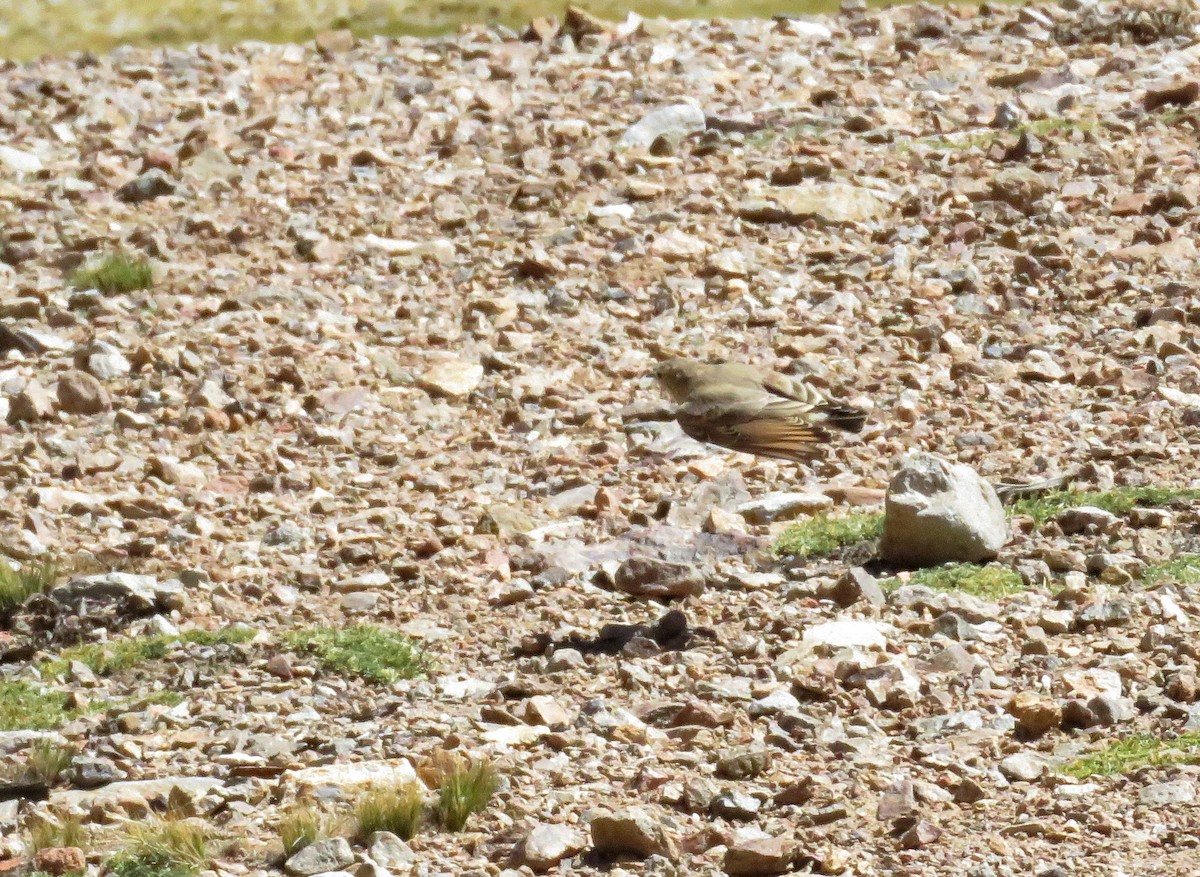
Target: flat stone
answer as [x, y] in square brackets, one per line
[1022, 767]
[783, 506]
[832, 203]
[735, 805]
[848, 634]
[1082, 518]
[137, 592]
[650, 577]
[673, 122]
[455, 379]
[19, 160]
[134, 791]
[311, 781]
[761, 856]
[1163, 794]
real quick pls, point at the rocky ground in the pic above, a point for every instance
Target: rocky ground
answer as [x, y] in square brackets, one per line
[392, 369]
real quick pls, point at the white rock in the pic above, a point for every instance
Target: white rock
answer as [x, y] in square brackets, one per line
[848, 634]
[388, 851]
[454, 378]
[937, 511]
[504, 736]
[677, 120]
[83, 800]
[547, 845]
[308, 781]
[19, 161]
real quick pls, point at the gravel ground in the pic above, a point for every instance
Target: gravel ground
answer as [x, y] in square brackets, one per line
[392, 368]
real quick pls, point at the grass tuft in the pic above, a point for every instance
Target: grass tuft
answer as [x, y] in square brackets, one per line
[375, 654]
[303, 825]
[53, 834]
[989, 582]
[114, 273]
[822, 535]
[1142, 750]
[397, 809]
[1119, 501]
[1183, 569]
[105, 659]
[465, 790]
[169, 848]
[24, 707]
[47, 760]
[18, 585]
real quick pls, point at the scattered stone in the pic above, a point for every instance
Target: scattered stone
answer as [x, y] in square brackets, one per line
[658, 579]
[920, 836]
[735, 806]
[848, 634]
[1035, 714]
[80, 393]
[760, 856]
[32, 403]
[631, 831]
[19, 160]
[152, 184]
[388, 851]
[854, 585]
[547, 845]
[1166, 794]
[60, 861]
[783, 506]
[453, 379]
[673, 123]
[1022, 767]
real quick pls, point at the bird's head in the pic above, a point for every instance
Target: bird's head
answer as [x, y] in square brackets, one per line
[676, 377]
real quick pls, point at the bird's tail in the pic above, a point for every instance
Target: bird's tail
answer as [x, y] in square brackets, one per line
[843, 417]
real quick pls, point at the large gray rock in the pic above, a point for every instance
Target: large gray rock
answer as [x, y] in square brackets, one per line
[320, 857]
[937, 512]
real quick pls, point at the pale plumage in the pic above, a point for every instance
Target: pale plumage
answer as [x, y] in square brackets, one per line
[746, 409]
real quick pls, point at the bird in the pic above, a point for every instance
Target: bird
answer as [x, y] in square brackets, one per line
[755, 411]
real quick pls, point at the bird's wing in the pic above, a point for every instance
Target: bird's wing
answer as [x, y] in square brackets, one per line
[790, 388]
[817, 409]
[758, 424]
